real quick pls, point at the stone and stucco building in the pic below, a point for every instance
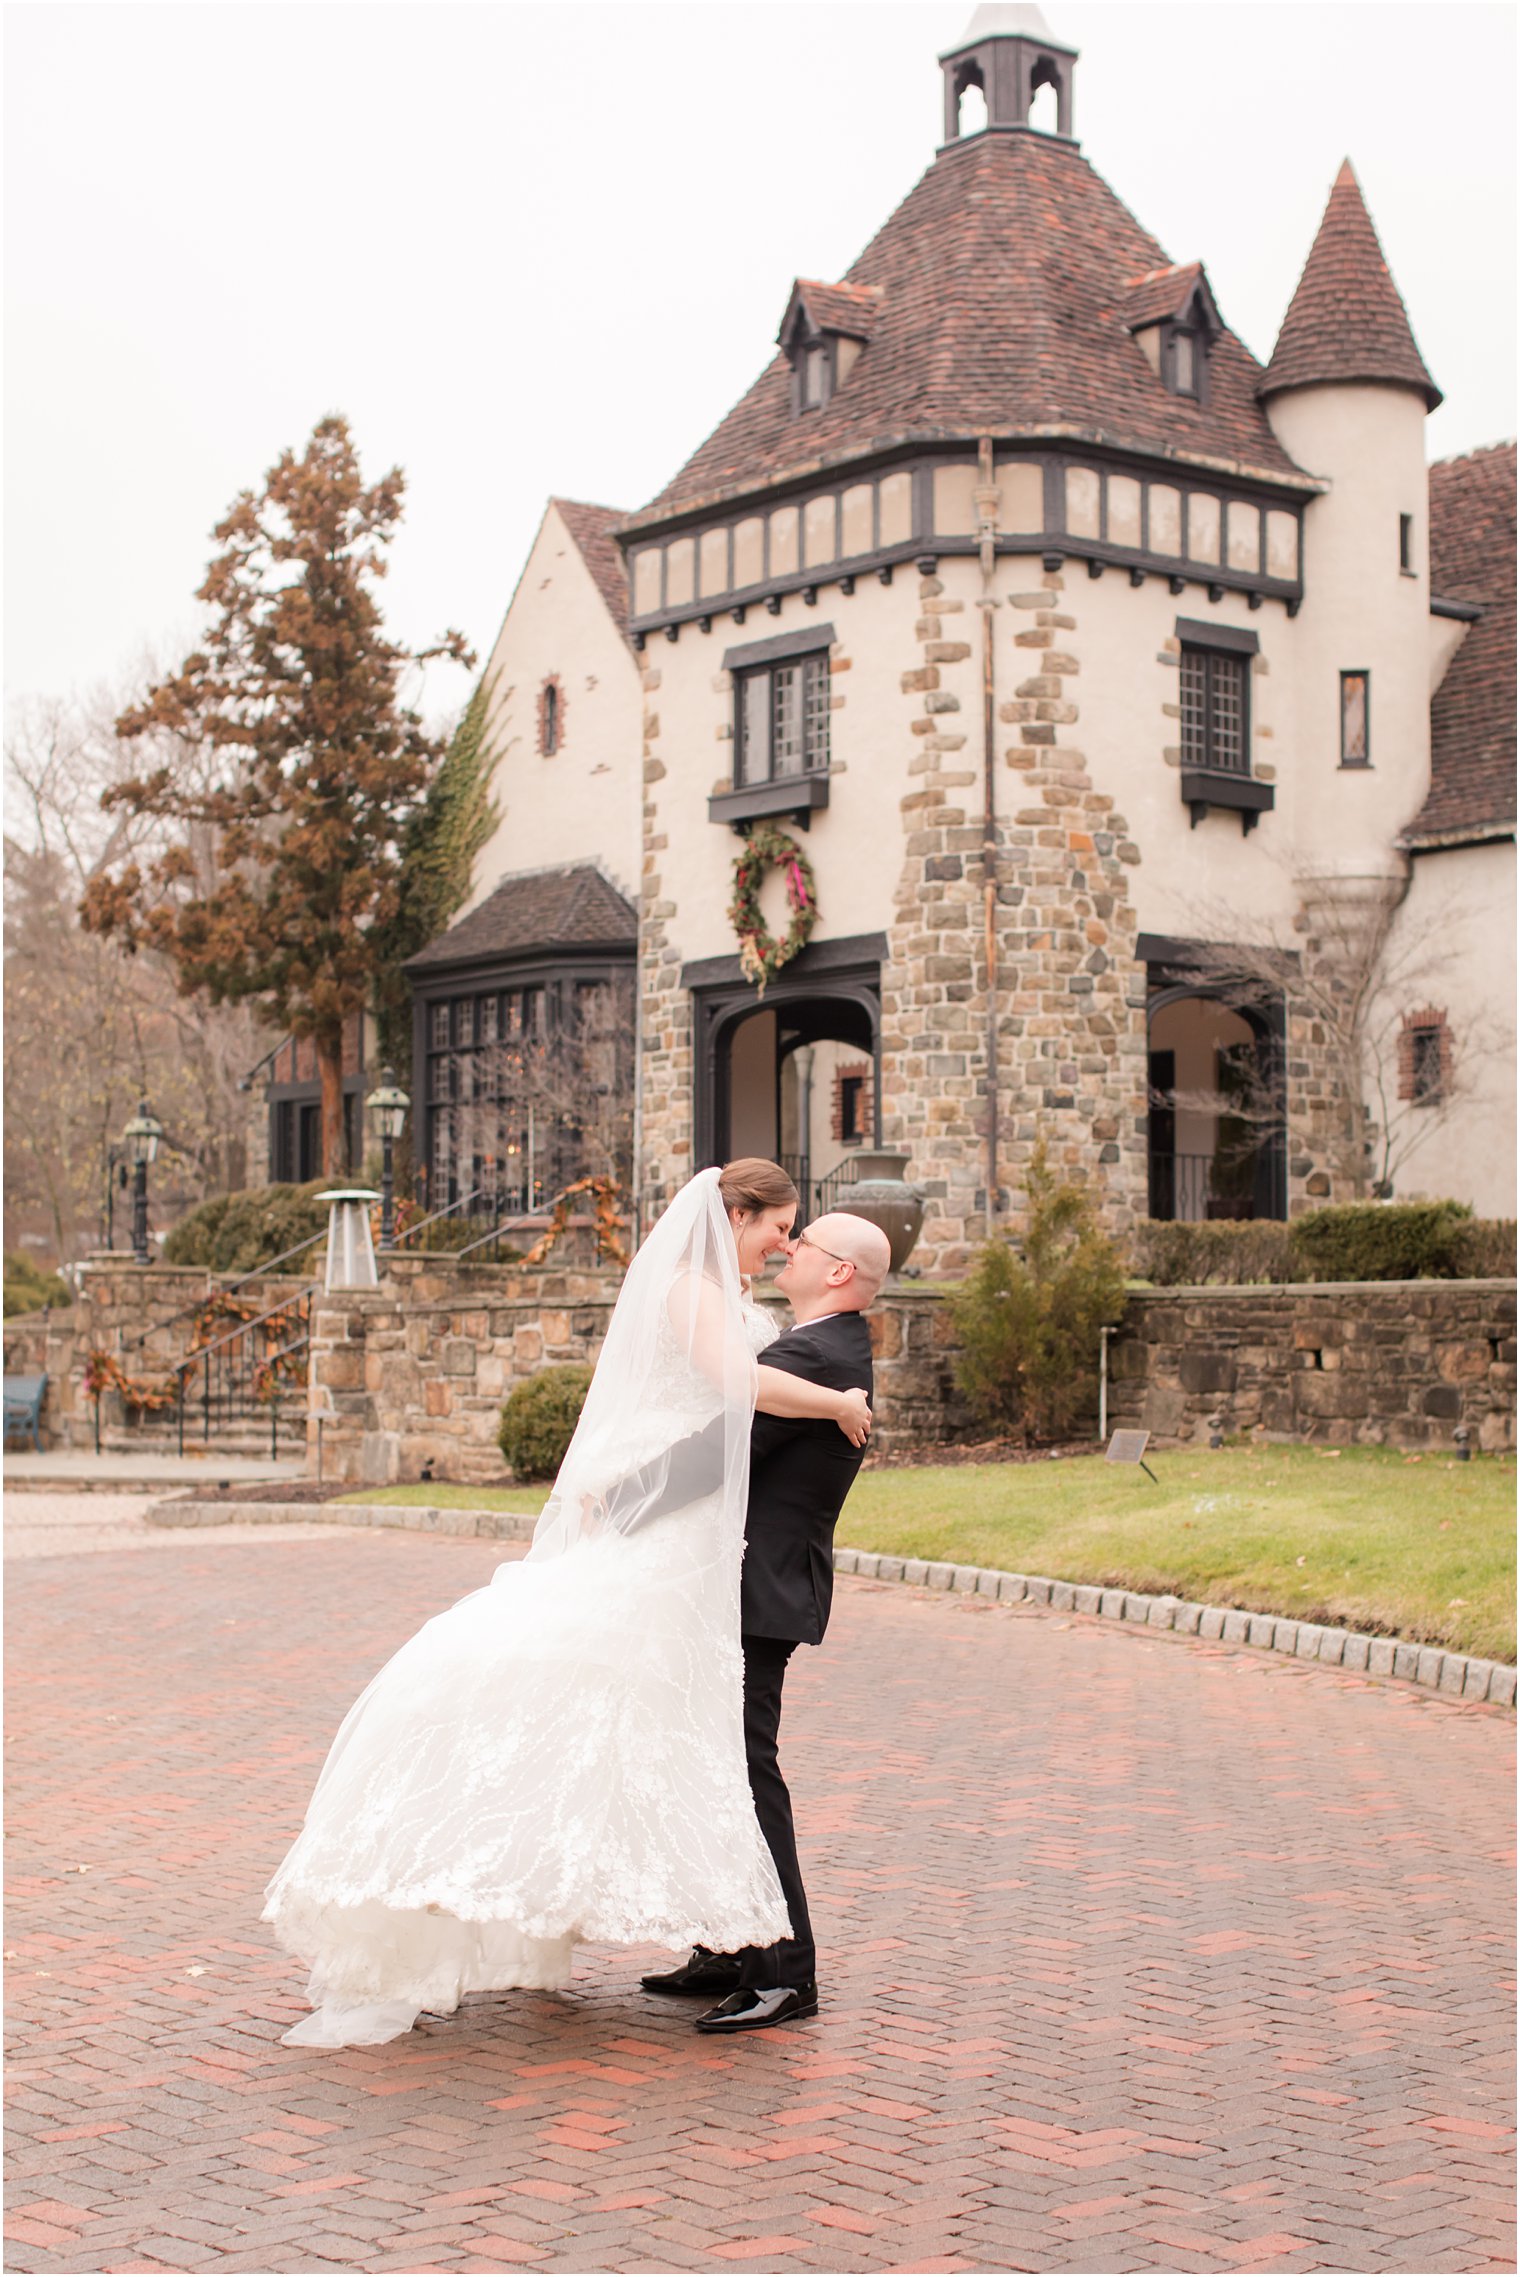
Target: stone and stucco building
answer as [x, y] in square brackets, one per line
[1123, 694]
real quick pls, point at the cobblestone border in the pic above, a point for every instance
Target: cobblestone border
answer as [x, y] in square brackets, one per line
[1459, 1675]
[1456, 1674]
[469, 1525]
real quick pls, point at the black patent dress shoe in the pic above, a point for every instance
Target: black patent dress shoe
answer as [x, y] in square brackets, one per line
[705, 1973]
[752, 2008]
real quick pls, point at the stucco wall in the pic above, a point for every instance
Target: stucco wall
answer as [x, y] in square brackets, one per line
[1452, 950]
[582, 804]
[1361, 612]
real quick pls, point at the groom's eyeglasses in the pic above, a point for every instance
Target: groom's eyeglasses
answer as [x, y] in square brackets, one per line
[818, 1245]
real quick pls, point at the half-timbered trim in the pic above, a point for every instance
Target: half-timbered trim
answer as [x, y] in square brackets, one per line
[1104, 508]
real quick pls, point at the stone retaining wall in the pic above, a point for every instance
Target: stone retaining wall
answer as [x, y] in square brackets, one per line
[139, 1312]
[1356, 1363]
[414, 1373]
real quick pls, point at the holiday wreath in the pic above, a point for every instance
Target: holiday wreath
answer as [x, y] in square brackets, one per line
[760, 954]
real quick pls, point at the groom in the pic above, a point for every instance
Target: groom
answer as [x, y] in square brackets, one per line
[800, 1473]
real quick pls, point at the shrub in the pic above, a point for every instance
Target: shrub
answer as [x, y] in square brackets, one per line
[1486, 1248]
[235, 1233]
[1174, 1254]
[1381, 1241]
[29, 1286]
[539, 1419]
[1028, 1318]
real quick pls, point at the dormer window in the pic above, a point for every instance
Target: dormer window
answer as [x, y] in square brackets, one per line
[1175, 323]
[824, 331]
[817, 375]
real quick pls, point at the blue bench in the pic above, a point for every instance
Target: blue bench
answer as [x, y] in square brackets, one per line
[23, 1407]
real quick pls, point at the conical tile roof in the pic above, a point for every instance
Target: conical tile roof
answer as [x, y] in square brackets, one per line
[1004, 279]
[1346, 320]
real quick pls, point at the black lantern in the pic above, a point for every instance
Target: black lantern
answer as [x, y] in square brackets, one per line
[388, 1104]
[139, 1144]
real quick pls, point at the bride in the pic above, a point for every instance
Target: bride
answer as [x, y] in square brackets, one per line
[560, 1756]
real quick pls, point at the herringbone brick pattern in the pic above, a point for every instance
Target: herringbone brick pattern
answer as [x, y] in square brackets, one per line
[1140, 1954]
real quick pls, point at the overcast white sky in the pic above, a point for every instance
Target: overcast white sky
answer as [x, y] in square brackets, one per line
[537, 248]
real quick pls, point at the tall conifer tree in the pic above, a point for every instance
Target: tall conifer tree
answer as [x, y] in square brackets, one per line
[319, 766]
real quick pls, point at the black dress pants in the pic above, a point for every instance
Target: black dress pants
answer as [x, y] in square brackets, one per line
[792, 1960]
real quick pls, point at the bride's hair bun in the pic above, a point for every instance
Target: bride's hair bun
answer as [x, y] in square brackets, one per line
[752, 1184]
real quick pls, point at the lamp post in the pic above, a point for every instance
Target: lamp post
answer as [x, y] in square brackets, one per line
[388, 1104]
[140, 1145]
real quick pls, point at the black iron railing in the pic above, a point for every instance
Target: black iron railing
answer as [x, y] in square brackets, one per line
[1191, 1188]
[244, 1375]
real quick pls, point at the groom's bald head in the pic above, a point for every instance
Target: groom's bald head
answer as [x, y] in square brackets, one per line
[862, 1245]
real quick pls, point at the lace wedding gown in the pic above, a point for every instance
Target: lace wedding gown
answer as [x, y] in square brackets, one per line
[560, 1756]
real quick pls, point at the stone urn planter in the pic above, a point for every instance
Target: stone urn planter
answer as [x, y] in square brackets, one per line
[882, 1194]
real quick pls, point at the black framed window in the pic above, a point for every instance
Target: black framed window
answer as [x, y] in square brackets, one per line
[1356, 719]
[1215, 711]
[781, 723]
[1406, 544]
[1428, 1070]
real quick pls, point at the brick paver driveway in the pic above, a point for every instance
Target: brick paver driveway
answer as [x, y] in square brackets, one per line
[1141, 1954]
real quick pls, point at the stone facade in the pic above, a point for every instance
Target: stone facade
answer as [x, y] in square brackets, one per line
[663, 1137]
[415, 1372]
[1372, 1363]
[1071, 1018]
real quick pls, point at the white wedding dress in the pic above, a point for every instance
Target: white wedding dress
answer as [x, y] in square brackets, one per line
[560, 1756]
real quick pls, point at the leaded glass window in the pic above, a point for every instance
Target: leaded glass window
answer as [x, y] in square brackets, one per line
[1214, 725]
[782, 720]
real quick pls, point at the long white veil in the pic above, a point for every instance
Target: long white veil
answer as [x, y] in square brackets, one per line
[560, 1756]
[667, 1417]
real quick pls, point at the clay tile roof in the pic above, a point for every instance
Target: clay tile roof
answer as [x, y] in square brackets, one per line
[592, 528]
[1346, 320]
[850, 309]
[1003, 277]
[1160, 293]
[1472, 713]
[547, 909]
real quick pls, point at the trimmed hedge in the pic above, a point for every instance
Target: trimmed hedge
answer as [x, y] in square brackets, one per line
[539, 1419]
[234, 1233]
[1381, 1241]
[1176, 1255]
[1351, 1241]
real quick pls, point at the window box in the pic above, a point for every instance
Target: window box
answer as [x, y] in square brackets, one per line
[799, 797]
[1203, 787]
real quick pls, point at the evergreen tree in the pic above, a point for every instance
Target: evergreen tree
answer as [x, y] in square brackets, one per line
[315, 767]
[438, 851]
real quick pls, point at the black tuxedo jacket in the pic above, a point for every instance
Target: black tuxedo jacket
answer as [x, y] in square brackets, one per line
[800, 1472]
[799, 1475]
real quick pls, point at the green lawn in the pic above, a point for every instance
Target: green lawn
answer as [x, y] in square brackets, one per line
[440, 1496]
[1414, 1546]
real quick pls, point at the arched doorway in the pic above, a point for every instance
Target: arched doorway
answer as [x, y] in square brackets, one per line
[795, 1074]
[1217, 1141]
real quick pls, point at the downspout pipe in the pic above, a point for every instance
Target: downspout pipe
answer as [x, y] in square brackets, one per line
[986, 500]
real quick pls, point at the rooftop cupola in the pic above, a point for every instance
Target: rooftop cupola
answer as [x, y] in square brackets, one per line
[1009, 55]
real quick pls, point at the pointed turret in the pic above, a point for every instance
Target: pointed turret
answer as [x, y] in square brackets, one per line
[1346, 321]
